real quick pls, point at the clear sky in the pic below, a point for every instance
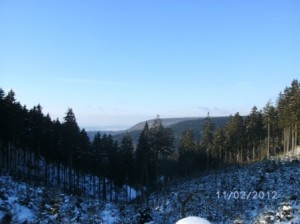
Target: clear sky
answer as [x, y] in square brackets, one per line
[120, 62]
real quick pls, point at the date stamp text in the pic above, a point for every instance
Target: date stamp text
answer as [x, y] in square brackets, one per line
[244, 195]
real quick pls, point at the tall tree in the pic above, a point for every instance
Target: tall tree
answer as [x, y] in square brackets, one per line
[289, 116]
[206, 142]
[161, 142]
[125, 160]
[2, 94]
[234, 137]
[219, 145]
[36, 135]
[271, 123]
[145, 159]
[70, 142]
[187, 153]
[254, 132]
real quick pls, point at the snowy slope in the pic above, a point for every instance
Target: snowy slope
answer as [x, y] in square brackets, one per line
[263, 192]
[255, 193]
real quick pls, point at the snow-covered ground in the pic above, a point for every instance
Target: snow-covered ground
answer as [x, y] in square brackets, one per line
[293, 154]
[261, 193]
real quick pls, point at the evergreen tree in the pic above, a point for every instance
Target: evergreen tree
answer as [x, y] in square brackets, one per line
[187, 153]
[161, 143]
[70, 143]
[161, 138]
[14, 126]
[219, 145]
[289, 116]
[2, 124]
[271, 124]
[125, 161]
[234, 138]
[145, 160]
[79, 159]
[206, 142]
[254, 132]
[36, 131]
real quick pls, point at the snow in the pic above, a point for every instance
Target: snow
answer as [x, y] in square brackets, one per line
[23, 214]
[131, 192]
[292, 154]
[20, 213]
[2, 214]
[108, 215]
[287, 208]
[12, 199]
[27, 203]
[193, 220]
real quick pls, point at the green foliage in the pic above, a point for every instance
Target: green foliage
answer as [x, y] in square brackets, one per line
[161, 139]
[207, 134]
[255, 131]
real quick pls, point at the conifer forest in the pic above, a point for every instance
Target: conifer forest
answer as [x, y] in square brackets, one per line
[37, 148]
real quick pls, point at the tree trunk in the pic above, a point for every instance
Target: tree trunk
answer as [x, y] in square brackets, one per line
[104, 188]
[268, 149]
[58, 174]
[288, 139]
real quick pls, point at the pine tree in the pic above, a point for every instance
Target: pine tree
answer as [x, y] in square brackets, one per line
[187, 153]
[125, 161]
[219, 145]
[161, 143]
[145, 159]
[288, 105]
[161, 138]
[36, 136]
[70, 142]
[206, 142]
[271, 124]
[234, 138]
[2, 125]
[254, 132]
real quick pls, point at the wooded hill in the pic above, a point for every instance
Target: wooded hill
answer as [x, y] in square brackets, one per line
[59, 152]
[178, 126]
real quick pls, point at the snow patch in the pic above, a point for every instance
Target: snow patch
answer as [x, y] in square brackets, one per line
[294, 153]
[108, 215]
[193, 220]
[131, 192]
[23, 214]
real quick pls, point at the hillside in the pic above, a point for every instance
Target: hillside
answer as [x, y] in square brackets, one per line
[137, 128]
[167, 122]
[177, 125]
[194, 124]
[262, 192]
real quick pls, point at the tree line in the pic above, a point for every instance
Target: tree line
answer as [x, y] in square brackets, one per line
[259, 135]
[59, 152]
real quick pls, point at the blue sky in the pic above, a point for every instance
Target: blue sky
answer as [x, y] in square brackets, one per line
[120, 62]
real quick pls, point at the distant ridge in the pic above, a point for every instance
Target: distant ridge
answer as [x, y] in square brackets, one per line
[177, 125]
[167, 122]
